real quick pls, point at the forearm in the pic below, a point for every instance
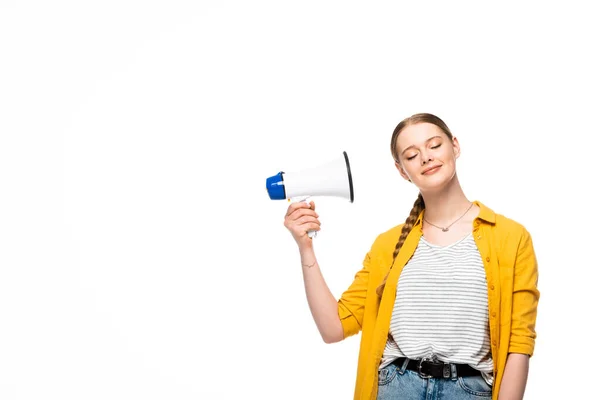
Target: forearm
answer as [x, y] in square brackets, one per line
[323, 305]
[515, 377]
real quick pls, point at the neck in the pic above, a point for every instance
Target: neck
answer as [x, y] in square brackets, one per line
[447, 204]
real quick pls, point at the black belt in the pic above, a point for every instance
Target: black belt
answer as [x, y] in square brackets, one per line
[428, 368]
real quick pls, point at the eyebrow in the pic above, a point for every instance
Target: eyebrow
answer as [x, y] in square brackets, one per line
[427, 141]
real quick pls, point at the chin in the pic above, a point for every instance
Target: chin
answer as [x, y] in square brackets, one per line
[435, 183]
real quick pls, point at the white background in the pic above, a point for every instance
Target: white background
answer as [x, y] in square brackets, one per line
[140, 256]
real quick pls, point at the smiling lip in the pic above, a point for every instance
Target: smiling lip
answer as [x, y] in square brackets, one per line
[431, 170]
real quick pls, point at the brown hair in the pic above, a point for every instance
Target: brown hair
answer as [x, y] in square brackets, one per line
[419, 204]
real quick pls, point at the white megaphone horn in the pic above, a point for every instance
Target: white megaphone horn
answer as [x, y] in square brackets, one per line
[331, 179]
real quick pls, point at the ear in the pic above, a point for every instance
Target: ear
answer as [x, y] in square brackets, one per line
[456, 147]
[402, 172]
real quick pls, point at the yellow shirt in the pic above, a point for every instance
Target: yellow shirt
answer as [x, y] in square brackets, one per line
[511, 271]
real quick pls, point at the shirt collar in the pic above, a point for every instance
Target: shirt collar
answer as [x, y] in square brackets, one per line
[485, 213]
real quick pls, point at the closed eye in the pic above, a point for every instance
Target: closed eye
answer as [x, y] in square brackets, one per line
[433, 147]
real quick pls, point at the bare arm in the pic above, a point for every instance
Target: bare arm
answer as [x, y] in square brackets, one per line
[323, 306]
[514, 380]
[299, 219]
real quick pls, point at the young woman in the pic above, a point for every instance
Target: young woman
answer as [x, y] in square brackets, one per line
[446, 301]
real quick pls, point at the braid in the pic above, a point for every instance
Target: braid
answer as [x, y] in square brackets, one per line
[418, 206]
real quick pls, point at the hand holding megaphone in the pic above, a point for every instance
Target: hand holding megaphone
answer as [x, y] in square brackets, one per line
[302, 220]
[330, 179]
[306, 199]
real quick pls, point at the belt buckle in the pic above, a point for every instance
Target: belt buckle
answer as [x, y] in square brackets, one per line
[421, 374]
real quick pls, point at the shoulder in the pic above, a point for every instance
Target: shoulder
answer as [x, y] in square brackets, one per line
[387, 240]
[505, 229]
[382, 249]
[509, 225]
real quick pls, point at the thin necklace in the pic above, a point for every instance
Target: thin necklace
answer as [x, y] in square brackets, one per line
[448, 227]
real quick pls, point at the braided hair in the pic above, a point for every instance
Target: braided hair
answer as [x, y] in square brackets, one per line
[419, 204]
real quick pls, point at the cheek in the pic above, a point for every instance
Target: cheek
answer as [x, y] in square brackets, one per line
[411, 167]
[407, 169]
[449, 156]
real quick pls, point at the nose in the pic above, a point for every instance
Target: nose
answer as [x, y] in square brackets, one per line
[425, 158]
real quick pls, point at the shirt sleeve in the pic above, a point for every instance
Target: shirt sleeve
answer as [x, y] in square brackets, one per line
[525, 298]
[351, 305]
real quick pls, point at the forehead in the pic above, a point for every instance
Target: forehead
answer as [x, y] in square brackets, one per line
[417, 134]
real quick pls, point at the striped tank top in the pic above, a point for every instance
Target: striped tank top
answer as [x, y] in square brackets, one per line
[441, 307]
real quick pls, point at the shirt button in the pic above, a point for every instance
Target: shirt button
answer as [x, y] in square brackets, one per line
[494, 342]
[487, 259]
[492, 287]
[494, 314]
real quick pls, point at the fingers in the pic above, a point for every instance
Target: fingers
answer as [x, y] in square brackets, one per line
[300, 231]
[302, 213]
[300, 205]
[301, 218]
[311, 227]
[307, 219]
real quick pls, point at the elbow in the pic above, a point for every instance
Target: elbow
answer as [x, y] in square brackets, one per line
[329, 339]
[333, 337]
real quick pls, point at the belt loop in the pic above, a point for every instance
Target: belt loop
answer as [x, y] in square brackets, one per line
[404, 365]
[454, 373]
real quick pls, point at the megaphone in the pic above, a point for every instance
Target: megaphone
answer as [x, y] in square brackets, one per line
[330, 179]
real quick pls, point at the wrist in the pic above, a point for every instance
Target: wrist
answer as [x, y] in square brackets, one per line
[307, 257]
[306, 249]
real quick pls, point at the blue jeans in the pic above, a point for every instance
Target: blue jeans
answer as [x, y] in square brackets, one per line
[399, 383]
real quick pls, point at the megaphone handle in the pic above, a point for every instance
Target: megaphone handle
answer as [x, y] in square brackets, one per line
[306, 199]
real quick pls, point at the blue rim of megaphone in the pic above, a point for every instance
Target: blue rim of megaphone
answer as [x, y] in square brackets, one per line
[275, 187]
[349, 177]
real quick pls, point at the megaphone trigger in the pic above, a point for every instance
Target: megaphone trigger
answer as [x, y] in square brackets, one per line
[301, 198]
